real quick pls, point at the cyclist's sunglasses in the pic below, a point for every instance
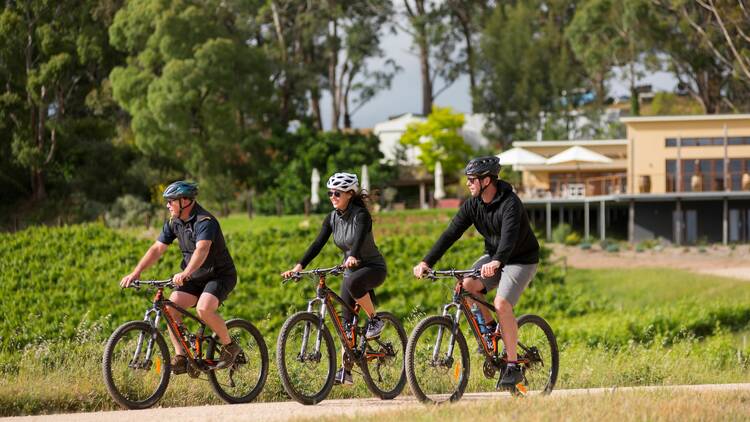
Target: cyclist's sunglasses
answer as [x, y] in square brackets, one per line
[336, 193]
[471, 179]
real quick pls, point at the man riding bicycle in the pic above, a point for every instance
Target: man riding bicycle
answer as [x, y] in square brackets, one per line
[208, 273]
[499, 216]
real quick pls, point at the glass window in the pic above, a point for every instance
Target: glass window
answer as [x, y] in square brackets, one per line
[671, 142]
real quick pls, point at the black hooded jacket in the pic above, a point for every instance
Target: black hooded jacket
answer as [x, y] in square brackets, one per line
[503, 223]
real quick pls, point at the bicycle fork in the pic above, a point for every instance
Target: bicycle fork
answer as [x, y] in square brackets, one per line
[303, 355]
[152, 317]
[448, 360]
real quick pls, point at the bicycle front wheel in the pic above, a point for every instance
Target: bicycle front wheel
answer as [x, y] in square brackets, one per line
[383, 362]
[244, 380]
[436, 368]
[306, 358]
[136, 365]
[537, 350]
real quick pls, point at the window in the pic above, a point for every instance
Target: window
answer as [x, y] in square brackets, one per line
[703, 142]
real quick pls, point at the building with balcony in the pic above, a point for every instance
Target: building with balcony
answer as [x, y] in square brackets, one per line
[685, 179]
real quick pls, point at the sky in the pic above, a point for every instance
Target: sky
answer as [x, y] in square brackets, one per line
[405, 94]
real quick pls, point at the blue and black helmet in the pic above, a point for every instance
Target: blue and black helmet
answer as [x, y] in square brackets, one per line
[483, 166]
[181, 189]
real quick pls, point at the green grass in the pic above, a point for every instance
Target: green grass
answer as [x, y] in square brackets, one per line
[615, 327]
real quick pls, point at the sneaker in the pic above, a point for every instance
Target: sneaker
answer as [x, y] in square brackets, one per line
[229, 353]
[179, 364]
[343, 377]
[512, 376]
[374, 327]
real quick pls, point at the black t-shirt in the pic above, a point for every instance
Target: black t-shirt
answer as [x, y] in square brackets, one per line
[201, 225]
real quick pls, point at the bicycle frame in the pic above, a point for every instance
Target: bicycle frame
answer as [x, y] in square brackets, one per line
[325, 298]
[461, 305]
[153, 317]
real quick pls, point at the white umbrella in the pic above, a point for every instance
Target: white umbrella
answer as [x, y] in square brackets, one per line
[314, 185]
[577, 155]
[519, 156]
[439, 188]
[365, 179]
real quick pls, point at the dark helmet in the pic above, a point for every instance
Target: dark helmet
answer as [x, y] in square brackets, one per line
[181, 189]
[483, 166]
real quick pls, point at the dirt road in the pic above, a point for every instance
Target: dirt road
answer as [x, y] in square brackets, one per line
[717, 260]
[282, 411]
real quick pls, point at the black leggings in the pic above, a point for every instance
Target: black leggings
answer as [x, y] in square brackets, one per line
[358, 283]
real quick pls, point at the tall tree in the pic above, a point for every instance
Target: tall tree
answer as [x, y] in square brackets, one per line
[195, 86]
[698, 54]
[54, 54]
[429, 27]
[467, 19]
[527, 66]
[605, 34]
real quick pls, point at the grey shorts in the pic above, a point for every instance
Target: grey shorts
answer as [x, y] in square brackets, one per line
[510, 282]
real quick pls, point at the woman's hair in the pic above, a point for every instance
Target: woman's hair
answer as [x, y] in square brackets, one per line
[362, 199]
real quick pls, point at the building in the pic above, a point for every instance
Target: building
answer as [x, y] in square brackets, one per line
[685, 179]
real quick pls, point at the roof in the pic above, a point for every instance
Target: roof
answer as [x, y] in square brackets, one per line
[531, 144]
[688, 118]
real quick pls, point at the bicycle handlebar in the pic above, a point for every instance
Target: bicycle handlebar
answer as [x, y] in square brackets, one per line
[136, 284]
[338, 269]
[436, 274]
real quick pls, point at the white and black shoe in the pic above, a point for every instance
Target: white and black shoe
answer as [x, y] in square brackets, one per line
[374, 328]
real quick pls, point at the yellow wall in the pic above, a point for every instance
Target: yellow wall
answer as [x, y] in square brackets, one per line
[536, 179]
[650, 152]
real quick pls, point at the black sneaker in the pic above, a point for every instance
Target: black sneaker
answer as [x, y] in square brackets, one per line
[179, 364]
[343, 377]
[374, 327]
[229, 353]
[512, 376]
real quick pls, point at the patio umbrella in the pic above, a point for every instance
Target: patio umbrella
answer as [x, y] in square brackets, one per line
[519, 156]
[365, 179]
[439, 187]
[314, 185]
[577, 155]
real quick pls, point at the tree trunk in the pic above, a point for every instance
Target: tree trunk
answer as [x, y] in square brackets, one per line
[424, 62]
[38, 190]
[315, 106]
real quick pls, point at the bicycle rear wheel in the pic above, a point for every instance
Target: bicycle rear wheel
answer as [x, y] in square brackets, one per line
[537, 349]
[437, 370]
[383, 363]
[306, 373]
[243, 381]
[136, 365]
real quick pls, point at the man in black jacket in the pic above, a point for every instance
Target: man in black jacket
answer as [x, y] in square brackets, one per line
[509, 244]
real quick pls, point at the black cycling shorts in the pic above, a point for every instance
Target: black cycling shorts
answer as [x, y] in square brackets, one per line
[220, 287]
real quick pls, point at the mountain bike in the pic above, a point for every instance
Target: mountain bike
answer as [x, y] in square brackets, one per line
[437, 357]
[306, 355]
[136, 362]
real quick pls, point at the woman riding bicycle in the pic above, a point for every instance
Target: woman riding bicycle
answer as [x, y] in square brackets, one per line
[351, 225]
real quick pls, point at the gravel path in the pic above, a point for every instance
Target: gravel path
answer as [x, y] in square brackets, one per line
[282, 411]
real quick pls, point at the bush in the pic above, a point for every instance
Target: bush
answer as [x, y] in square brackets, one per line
[561, 232]
[613, 247]
[573, 239]
[585, 246]
[129, 211]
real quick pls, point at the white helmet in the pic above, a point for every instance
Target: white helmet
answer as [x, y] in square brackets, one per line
[343, 182]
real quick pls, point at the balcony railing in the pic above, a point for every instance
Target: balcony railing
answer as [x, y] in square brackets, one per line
[572, 188]
[709, 182]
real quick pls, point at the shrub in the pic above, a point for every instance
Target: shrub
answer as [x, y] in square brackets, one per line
[573, 239]
[585, 246]
[129, 211]
[561, 232]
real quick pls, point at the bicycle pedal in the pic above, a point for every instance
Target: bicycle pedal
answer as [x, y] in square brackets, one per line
[521, 389]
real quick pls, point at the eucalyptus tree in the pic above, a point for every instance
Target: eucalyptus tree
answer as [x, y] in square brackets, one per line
[197, 86]
[54, 60]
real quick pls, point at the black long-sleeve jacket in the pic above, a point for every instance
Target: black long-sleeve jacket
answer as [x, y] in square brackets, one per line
[503, 223]
[352, 233]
